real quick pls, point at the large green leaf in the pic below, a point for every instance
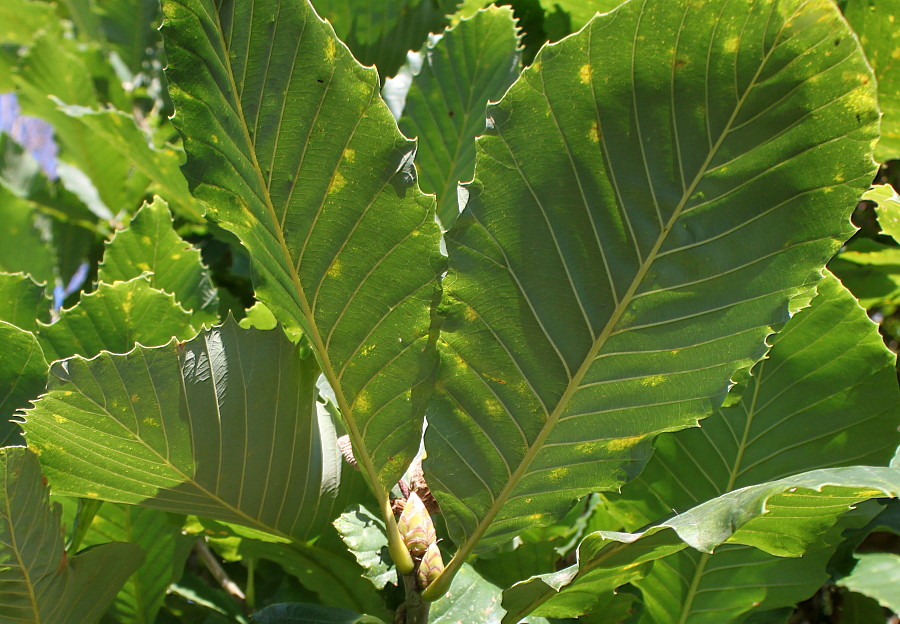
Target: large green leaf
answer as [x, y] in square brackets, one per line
[825, 396]
[39, 584]
[224, 426]
[470, 64]
[381, 32]
[790, 517]
[165, 551]
[875, 23]
[23, 376]
[150, 244]
[113, 318]
[304, 163]
[655, 194]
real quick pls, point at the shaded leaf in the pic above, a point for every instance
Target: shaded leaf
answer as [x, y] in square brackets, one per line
[470, 64]
[169, 428]
[23, 248]
[309, 614]
[165, 551]
[114, 318]
[580, 11]
[304, 163]
[876, 575]
[151, 244]
[38, 582]
[22, 301]
[336, 580]
[23, 376]
[380, 32]
[644, 278]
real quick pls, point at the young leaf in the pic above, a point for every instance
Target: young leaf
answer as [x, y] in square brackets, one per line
[38, 582]
[150, 244]
[23, 376]
[469, 65]
[656, 194]
[365, 536]
[113, 318]
[304, 163]
[165, 551]
[224, 426]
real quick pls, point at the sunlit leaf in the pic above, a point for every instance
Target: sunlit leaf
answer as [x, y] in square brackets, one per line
[654, 196]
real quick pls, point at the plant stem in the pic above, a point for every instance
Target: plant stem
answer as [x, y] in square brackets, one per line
[415, 609]
[215, 568]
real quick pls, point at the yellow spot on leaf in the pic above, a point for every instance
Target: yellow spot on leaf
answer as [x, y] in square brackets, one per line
[622, 444]
[176, 256]
[470, 314]
[60, 419]
[143, 266]
[594, 132]
[335, 269]
[330, 50]
[362, 403]
[349, 155]
[337, 183]
[493, 408]
[558, 474]
[494, 379]
[151, 422]
[584, 74]
[92, 494]
[731, 44]
[135, 398]
[653, 381]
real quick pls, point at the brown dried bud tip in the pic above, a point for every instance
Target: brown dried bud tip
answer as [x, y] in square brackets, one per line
[347, 450]
[416, 527]
[418, 485]
[431, 566]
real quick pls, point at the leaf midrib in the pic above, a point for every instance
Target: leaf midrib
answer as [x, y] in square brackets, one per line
[575, 381]
[359, 449]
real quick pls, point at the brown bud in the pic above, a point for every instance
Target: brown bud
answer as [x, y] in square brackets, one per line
[415, 526]
[347, 450]
[418, 485]
[431, 566]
